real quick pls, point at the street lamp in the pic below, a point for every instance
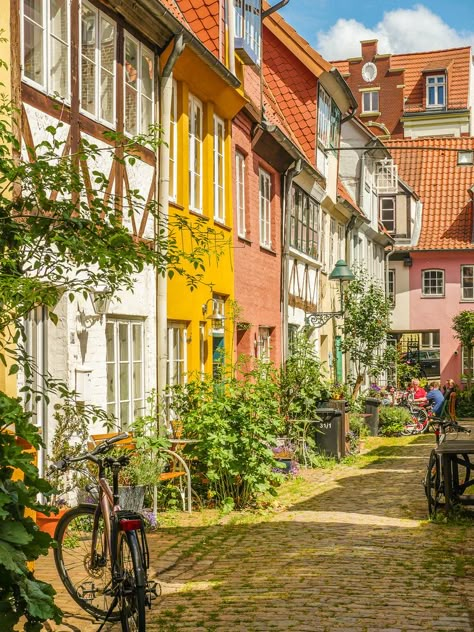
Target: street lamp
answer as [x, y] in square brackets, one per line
[343, 273]
[216, 317]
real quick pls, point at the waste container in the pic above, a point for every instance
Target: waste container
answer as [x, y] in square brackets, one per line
[372, 405]
[328, 435]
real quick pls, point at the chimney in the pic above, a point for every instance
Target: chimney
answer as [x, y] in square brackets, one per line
[368, 49]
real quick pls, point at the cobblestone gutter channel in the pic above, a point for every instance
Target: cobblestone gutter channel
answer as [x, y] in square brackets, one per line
[348, 550]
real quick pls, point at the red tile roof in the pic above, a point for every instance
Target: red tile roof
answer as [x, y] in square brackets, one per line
[203, 18]
[344, 194]
[442, 186]
[274, 115]
[173, 8]
[457, 60]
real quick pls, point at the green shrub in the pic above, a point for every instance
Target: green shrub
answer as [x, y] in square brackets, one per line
[236, 423]
[392, 420]
[465, 403]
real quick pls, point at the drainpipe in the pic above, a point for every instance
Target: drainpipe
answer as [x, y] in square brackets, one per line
[278, 5]
[231, 26]
[389, 253]
[293, 170]
[162, 160]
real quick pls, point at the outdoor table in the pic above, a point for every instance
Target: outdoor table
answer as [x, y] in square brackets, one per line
[450, 453]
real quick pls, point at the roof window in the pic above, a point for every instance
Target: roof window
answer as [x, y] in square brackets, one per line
[465, 157]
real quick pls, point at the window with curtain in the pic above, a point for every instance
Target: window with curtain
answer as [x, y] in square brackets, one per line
[195, 154]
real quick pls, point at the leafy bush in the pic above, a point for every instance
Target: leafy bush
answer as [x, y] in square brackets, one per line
[465, 403]
[236, 423]
[21, 594]
[392, 420]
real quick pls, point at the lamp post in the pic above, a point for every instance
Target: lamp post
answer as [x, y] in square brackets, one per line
[342, 273]
[216, 317]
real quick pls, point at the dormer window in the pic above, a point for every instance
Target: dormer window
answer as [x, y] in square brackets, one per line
[248, 30]
[436, 91]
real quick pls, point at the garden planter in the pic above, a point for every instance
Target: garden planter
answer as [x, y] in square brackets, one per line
[132, 497]
[372, 406]
[47, 524]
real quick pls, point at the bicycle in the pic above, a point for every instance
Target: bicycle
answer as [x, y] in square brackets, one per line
[433, 482]
[419, 422]
[102, 553]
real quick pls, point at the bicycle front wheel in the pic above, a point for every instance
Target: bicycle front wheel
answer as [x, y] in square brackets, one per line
[133, 583]
[84, 571]
[433, 484]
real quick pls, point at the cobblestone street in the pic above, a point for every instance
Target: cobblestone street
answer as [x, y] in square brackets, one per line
[349, 550]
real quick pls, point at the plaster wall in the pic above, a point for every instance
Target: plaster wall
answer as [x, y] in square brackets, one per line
[437, 313]
[400, 319]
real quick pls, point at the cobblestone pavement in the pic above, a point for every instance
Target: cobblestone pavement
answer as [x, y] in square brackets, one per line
[352, 552]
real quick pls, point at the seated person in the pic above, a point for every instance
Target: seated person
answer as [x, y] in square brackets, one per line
[448, 388]
[419, 394]
[435, 398]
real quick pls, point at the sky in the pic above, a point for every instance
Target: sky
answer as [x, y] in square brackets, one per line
[335, 27]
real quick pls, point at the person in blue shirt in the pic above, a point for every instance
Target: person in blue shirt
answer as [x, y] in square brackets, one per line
[435, 397]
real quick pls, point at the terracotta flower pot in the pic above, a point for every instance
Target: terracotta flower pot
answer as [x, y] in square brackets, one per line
[47, 524]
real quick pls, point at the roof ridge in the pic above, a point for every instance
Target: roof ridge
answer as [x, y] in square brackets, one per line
[430, 52]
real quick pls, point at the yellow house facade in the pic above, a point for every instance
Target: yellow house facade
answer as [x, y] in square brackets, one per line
[200, 190]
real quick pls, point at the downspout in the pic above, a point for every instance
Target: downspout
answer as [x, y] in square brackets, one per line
[388, 254]
[162, 185]
[293, 170]
[231, 24]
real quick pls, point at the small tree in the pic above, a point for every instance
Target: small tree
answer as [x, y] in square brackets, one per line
[463, 325]
[366, 327]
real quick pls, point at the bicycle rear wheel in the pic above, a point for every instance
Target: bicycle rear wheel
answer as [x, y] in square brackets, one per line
[85, 573]
[133, 583]
[433, 484]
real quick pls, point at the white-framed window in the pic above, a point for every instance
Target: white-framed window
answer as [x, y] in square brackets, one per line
[125, 369]
[219, 169]
[391, 289]
[45, 45]
[370, 101]
[430, 340]
[467, 283]
[177, 363]
[240, 194]
[265, 209]
[195, 154]
[386, 176]
[324, 240]
[97, 60]
[465, 364]
[173, 144]
[387, 213]
[436, 91]
[139, 78]
[304, 223]
[264, 344]
[432, 283]
[203, 348]
[248, 27]
[324, 117]
[465, 157]
[341, 241]
[332, 243]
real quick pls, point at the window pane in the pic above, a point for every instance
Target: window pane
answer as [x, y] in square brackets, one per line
[124, 381]
[130, 110]
[110, 382]
[137, 341]
[88, 98]
[58, 19]
[137, 380]
[33, 62]
[110, 348]
[107, 97]
[123, 342]
[59, 68]
[89, 35]
[107, 45]
[146, 115]
[33, 9]
[125, 414]
[147, 73]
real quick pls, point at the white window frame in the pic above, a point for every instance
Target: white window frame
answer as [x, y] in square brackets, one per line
[240, 194]
[179, 360]
[132, 363]
[435, 84]
[431, 344]
[426, 277]
[341, 241]
[386, 176]
[264, 343]
[219, 169]
[195, 146]
[141, 50]
[391, 285]
[248, 26]
[383, 211]
[464, 362]
[370, 94]
[324, 240]
[464, 297]
[173, 144]
[332, 243]
[99, 16]
[46, 85]
[265, 214]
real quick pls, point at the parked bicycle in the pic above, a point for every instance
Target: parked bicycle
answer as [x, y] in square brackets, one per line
[433, 481]
[419, 414]
[102, 554]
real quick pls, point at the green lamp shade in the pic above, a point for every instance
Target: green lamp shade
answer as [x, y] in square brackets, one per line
[342, 272]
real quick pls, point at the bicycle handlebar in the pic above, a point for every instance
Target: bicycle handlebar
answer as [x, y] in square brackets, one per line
[446, 424]
[91, 456]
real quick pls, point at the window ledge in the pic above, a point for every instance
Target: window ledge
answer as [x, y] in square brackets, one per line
[268, 249]
[433, 296]
[198, 214]
[246, 240]
[175, 204]
[221, 224]
[374, 113]
[466, 300]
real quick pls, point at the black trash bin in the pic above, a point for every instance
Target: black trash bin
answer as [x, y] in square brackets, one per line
[328, 432]
[372, 405]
